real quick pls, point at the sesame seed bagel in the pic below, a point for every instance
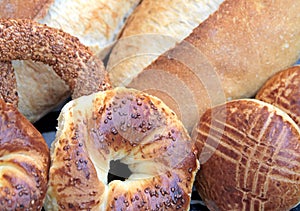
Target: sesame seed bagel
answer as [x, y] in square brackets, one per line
[126, 125]
[8, 86]
[22, 39]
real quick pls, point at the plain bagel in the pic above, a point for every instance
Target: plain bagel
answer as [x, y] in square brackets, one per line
[24, 161]
[126, 125]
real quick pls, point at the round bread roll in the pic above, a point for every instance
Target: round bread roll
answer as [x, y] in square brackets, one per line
[24, 161]
[249, 154]
[72, 61]
[126, 125]
[283, 91]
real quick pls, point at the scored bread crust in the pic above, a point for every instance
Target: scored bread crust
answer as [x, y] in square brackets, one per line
[26, 10]
[126, 125]
[242, 44]
[283, 91]
[71, 60]
[249, 152]
[24, 161]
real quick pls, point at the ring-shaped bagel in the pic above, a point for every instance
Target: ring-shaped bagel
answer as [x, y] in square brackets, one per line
[24, 162]
[126, 125]
[22, 39]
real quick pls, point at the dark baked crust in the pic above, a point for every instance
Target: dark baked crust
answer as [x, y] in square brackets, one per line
[131, 126]
[24, 161]
[254, 150]
[71, 60]
[283, 91]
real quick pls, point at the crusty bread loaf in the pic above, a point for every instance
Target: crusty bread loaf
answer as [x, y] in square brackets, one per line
[95, 22]
[283, 91]
[230, 55]
[24, 160]
[249, 154]
[153, 28]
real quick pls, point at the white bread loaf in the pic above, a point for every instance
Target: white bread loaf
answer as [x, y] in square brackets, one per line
[153, 28]
[95, 22]
[228, 56]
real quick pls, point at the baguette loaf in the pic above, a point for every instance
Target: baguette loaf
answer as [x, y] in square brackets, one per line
[96, 23]
[153, 28]
[228, 56]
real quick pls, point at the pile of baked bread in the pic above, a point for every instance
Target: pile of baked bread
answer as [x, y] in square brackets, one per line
[196, 93]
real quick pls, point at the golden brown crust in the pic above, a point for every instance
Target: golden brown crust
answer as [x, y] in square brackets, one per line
[283, 91]
[8, 86]
[72, 61]
[33, 9]
[25, 161]
[154, 27]
[254, 152]
[130, 126]
[245, 42]
[195, 90]
[241, 41]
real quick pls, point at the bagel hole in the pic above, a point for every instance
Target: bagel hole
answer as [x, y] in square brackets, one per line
[118, 171]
